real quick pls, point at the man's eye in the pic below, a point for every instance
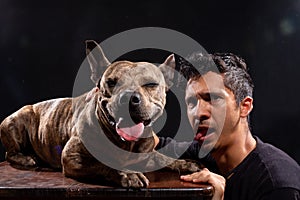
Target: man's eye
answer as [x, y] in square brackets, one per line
[191, 102]
[150, 85]
[111, 83]
[215, 97]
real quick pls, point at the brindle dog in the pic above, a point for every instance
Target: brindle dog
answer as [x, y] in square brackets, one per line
[128, 98]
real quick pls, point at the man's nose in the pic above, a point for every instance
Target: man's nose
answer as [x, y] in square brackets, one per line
[203, 110]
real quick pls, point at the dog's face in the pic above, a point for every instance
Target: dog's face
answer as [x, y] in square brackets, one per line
[133, 94]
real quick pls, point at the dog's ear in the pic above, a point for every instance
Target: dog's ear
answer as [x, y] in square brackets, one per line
[97, 60]
[168, 70]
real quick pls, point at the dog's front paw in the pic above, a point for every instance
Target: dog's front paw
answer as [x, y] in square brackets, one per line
[186, 166]
[134, 180]
[192, 166]
[22, 160]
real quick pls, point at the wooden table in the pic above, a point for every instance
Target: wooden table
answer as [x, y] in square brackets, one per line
[41, 184]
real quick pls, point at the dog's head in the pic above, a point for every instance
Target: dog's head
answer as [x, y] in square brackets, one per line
[132, 94]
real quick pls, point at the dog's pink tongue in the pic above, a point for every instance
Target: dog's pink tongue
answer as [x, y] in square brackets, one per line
[131, 133]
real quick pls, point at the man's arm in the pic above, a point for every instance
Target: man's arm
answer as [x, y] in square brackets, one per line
[175, 149]
[284, 193]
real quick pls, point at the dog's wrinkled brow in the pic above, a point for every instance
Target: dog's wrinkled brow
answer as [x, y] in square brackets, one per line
[149, 79]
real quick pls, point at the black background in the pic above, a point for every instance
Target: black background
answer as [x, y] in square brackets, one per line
[42, 48]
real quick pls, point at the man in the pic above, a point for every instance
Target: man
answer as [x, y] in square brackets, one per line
[219, 100]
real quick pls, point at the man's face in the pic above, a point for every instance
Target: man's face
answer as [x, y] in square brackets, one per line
[212, 111]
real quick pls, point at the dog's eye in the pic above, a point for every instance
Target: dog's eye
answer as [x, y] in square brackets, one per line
[111, 83]
[150, 85]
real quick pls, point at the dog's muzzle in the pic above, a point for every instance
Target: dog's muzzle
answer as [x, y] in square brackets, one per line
[130, 117]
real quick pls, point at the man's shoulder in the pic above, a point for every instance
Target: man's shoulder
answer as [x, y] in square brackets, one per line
[264, 172]
[282, 170]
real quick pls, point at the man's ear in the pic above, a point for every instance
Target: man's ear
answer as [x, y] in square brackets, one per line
[246, 106]
[97, 60]
[168, 70]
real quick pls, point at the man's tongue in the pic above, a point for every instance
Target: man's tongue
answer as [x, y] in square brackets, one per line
[131, 133]
[201, 134]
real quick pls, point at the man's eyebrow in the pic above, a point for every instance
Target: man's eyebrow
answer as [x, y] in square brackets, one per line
[216, 92]
[209, 93]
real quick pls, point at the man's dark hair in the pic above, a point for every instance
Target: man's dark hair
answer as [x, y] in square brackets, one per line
[233, 67]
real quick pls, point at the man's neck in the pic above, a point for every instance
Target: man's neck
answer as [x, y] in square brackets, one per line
[232, 155]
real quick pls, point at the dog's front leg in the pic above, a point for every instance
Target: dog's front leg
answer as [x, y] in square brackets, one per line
[160, 160]
[78, 163]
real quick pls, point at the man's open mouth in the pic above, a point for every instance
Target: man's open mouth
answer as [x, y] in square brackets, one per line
[131, 131]
[202, 133]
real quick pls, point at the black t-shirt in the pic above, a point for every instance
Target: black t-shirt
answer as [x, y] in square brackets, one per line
[266, 173]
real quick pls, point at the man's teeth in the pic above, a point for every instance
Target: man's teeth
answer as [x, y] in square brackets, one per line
[122, 138]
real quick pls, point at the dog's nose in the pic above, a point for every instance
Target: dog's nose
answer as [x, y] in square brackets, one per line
[130, 98]
[135, 99]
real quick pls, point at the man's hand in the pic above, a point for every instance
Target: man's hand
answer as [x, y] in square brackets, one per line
[205, 176]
